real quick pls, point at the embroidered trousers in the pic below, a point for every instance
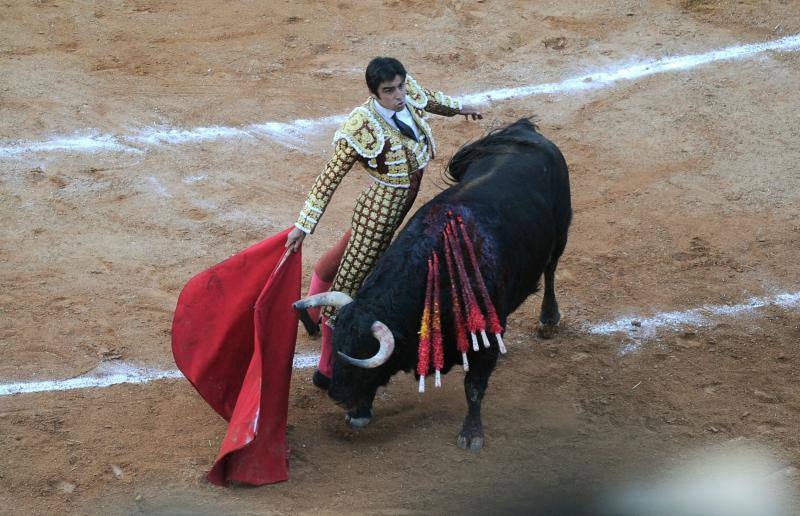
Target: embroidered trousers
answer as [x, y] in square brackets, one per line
[378, 212]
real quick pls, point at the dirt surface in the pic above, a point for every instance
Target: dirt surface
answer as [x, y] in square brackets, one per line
[685, 188]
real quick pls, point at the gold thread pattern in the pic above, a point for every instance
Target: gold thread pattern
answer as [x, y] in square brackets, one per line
[344, 156]
[378, 213]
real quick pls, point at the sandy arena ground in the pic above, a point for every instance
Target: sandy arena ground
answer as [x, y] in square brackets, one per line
[685, 188]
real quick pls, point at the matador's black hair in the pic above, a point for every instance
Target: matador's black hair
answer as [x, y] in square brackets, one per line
[383, 69]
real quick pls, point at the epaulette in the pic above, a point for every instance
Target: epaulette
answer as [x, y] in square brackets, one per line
[415, 95]
[362, 132]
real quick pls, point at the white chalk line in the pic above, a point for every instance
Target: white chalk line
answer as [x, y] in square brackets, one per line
[116, 373]
[638, 329]
[639, 70]
[82, 142]
[158, 188]
[294, 134]
[289, 134]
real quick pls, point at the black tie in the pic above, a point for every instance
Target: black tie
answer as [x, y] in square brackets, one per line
[407, 131]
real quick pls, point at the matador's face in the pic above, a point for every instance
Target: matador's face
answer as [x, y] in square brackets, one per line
[392, 94]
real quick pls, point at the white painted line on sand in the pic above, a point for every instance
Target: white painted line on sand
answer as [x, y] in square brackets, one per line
[639, 70]
[195, 179]
[105, 375]
[116, 373]
[305, 361]
[639, 329]
[294, 134]
[87, 142]
[157, 187]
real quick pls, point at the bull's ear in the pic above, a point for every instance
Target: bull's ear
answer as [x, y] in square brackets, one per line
[384, 335]
[333, 298]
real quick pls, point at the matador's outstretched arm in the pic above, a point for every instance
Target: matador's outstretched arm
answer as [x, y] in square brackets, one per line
[441, 104]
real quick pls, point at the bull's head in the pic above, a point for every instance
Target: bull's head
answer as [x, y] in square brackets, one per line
[357, 335]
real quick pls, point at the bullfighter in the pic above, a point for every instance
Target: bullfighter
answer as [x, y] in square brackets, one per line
[390, 137]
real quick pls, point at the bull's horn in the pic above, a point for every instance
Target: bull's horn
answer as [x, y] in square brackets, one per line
[333, 298]
[385, 337]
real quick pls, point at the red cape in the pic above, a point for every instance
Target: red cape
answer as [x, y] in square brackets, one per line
[233, 337]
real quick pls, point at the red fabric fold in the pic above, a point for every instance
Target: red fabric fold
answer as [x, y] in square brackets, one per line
[233, 337]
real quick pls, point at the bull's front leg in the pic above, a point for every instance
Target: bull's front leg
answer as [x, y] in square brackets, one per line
[475, 382]
[361, 414]
[549, 316]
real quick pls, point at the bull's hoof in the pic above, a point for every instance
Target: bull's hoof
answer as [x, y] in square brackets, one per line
[311, 326]
[470, 442]
[320, 380]
[471, 436]
[357, 422]
[547, 331]
[358, 418]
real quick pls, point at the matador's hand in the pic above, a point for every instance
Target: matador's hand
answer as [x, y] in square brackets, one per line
[470, 111]
[295, 239]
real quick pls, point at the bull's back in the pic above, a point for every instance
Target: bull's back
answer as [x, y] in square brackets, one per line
[517, 206]
[520, 203]
[526, 186]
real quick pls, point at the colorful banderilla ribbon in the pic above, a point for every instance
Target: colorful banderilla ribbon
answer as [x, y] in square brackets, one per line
[424, 358]
[475, 321]
[467, 315]
[494, 323]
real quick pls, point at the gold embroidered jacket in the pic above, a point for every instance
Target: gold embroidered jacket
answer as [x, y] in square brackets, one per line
[388, 156]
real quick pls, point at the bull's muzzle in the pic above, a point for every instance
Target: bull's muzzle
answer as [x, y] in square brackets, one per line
[386, 340]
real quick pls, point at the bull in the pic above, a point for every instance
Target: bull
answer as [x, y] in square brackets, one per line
[511, 188]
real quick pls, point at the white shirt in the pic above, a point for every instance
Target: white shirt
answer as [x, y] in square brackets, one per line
[404, 116]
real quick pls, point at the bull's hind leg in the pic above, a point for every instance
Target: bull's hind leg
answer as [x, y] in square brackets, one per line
[475, 382]
[549, 316]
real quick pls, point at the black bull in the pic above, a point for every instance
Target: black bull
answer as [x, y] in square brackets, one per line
[512, 191]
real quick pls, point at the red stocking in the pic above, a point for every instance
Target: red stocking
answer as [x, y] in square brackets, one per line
[327, 266]
[325, 271]
[326, 357]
